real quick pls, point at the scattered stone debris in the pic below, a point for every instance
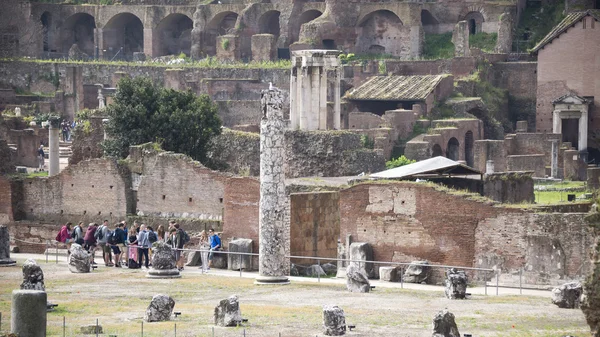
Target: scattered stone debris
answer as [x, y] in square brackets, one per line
[417, 272]
[356, 280]
[444, 325]
[33, 276]
[5, 259]
[163, 262]
[362, 251]
[388, 274]
[160, 308]
[91, 329]
[228, 312]
[334, 321]
[79, 260]
[455, 284]
[568, 295]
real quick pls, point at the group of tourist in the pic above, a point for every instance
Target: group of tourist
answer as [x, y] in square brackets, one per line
[132, 246]
[66, 128]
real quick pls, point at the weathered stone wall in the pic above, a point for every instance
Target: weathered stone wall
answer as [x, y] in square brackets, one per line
[27, 142]
[6, 210]
[512, 188]
[7, 164]
[527, 162]
[236, 152]
[239, 112]
[520, 79]
[315, 224]
[92, 190]
[488, 149]
[86, 141]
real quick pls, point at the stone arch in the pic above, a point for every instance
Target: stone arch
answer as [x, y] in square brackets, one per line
[453, 149]
[382, 28]
[305, 17]
[469, 155]
[268, 23]
[78, 29]
[475, 22]
[122, 36]
[172, 35]
[221, 24]
[46, 20]
[428, 21]
[436, 151]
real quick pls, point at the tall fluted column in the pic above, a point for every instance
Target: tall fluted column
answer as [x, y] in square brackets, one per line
[274, 219]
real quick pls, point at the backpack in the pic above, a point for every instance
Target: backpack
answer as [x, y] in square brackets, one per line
[185, 238]
[152, 237]
[111, 238]
[74, 233]
[99, 233]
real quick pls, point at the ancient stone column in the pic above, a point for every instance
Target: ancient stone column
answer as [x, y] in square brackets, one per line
[53, 137]
[554, 164]
[5, 260]
[28, 313]
[504, 42]
[460, 39]
[274, 225]
[489, 167]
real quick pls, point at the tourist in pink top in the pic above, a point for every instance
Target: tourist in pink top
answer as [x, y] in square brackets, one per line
[64, 236]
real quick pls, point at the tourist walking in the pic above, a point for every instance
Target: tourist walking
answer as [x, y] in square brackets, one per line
[144, 245]
[77, 234]
[215, 245]
[89, 241]
[64, 236]
[102, 234]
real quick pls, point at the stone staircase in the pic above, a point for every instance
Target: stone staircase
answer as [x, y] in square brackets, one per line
[64, 150]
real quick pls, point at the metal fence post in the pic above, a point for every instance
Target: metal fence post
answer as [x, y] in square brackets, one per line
[46, 252]
[497, 280]
[319, 270]
[96, 327]
[402, 277]
[142, 328]
[521, 281]
[64, 326]
[56, 251]
[240, 263]
[485, 281]
[175, 329]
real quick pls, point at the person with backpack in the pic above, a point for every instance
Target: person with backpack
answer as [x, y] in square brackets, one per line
[177, 240]
[64, 236]
[116, 239]
[215, 245]
[77, 234]
[101, 236]
[90, 242]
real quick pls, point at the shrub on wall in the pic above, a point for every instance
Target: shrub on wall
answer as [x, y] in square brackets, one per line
[400, 161]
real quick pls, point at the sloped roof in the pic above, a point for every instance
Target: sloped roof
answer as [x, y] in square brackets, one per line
[436, 165]
[569, 21]
[395, 88]
[570, 99]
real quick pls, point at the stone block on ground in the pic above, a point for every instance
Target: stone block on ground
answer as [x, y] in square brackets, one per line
[362, 251]
[356, 280]
[417, 272]
[163, 262]
[388, 274]
[79, 260]
[5, 259]
[228, 312]
[334, 321]
[329, 268]
[315, 270]
[298, 270]
[194, 259]
[455, 284]
[33, 276]
[568, 295]
[235, 262]
[444, 325]
[160, 309]
[91, 329]
[341, 273]
[28, 313]
[219, 261]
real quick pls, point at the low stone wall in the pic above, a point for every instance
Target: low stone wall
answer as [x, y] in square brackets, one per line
[512, 187]
[531, 162]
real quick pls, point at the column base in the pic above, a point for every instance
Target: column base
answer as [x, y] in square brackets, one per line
[272, 280]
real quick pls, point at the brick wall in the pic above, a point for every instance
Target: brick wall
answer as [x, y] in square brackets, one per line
[314, 224]
[6, 211]
[528, 162]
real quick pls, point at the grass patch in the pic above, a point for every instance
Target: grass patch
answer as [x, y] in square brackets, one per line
[438, 46]
[536, 23]
[483, 41]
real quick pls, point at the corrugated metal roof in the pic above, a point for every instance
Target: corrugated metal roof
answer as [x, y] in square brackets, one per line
[569, 21]
[395, 88]
[435, 165]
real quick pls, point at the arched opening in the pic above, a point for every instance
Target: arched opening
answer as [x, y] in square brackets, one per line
[469, 157]
[383, 32]
[78, 29]
[436, 151]
[123, 35]
[452, 151]
[269, 23]
[304, 18]
[428, 21]
[475, 22]
[173, 35]
[222, 24]
[46, 23]
[329, 44]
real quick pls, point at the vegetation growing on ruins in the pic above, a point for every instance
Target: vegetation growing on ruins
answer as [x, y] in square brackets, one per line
[483, 41]
[143, 112]
[438, 46]
[400, 161]
[535, 23]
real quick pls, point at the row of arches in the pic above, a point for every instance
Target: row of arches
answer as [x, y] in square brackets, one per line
[453, 149]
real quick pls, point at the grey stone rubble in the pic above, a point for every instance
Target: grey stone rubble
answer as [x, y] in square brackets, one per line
[28, 313]
[5, 259]
[79, 260]
[274, 212]
[228, 312]
[444, 325]
[329, 268]
[460, 39]
[160, 308]
[356, 280]
[416, 272]
[568, 295]
[505, 31]
[163, 262]
[334, 321]
[91, 329]
[362, 251]
[388, 274]
[194, 259]
[455, 284]
[33, 276]
[315, 270]
[237, 262]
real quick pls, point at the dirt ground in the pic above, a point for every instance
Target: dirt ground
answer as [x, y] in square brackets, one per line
[118, 298]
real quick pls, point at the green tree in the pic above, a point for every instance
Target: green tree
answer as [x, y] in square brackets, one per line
[400, 161]
[144, 112]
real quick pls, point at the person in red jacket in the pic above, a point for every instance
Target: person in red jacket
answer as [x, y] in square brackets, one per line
[64, 236]
[90, 242]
